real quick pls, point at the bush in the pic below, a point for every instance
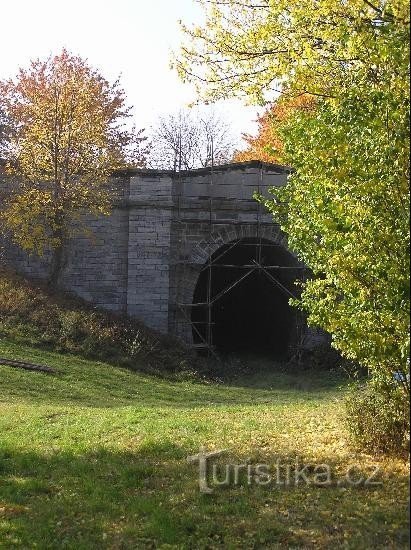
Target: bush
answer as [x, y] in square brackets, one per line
[378, 418]
[34, 314]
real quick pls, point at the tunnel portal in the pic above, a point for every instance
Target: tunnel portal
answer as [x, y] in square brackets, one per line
[241, 300]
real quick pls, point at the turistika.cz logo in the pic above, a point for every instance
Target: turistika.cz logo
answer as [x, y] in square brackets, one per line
[281, 473]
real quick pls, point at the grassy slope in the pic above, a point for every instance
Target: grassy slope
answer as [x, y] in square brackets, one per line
[34, 314]
[95, 457]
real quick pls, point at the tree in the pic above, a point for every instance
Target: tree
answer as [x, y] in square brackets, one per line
[346, 206]
[345, 209]
[190, 139]
[67, 135]
[268, 145]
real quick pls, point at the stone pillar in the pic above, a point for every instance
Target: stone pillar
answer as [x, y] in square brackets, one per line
[150, 212]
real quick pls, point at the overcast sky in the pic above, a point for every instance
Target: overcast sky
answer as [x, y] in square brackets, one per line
[131, 38]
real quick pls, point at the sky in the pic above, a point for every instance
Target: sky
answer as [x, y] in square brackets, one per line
[132, 39]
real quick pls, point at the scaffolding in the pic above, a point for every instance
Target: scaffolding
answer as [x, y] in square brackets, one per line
[205, 337]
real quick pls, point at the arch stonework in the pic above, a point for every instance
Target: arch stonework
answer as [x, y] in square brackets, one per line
[187, 273]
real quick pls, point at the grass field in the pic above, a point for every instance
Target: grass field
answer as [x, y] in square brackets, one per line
[96, 457]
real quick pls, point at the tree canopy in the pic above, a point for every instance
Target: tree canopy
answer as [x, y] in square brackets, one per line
[258, 47]
[346, 212]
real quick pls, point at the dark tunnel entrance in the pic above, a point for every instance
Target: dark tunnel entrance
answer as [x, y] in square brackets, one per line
[241, 299]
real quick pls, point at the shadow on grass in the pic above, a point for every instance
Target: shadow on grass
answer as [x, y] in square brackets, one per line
[91, 384]
[150, 498]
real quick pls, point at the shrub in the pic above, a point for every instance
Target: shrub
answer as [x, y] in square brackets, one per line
[378, 417]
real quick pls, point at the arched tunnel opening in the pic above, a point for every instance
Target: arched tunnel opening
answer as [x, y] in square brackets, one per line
[241, 300]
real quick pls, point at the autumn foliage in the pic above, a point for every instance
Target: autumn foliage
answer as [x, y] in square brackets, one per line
[267, 145]
[66, 134]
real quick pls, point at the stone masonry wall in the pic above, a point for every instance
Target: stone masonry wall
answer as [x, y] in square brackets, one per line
[145, 258]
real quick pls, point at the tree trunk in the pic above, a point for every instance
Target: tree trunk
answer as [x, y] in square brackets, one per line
[56, 266]
[57, 258]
